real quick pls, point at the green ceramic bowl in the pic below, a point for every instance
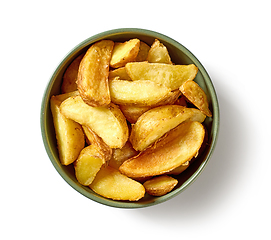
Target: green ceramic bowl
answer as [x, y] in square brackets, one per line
[179, 55]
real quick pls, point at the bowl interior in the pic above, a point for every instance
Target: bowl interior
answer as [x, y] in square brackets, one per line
[179, 55]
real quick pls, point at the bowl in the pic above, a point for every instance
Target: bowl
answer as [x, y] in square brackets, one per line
[179, 55]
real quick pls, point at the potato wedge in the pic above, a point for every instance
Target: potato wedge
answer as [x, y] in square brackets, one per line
[140, 93]
[93, 139]
[107, 122]
[70, 76]
[154, 123]
[124, 53]
[143, 52]
[69, 134]
[119, 155]
[171, 76]
[133, 112]
[194, 93]
[161, 185]
[88, 164]
[178, 146]
[110, 183]
[119, 73]
[179, 169]
[92, 79]
[158, 53]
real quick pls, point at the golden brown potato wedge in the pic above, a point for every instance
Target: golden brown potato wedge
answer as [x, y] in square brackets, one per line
[119, 73]
[158, 53]
[140, 93]
[69, 134]
[107, 122]
[88, 164]
[92, 80]
[172, 76]
[70, 76]
[119, 155]
[110, 183]
[161, 185]
[194, 93]
[93, 139]
[154, 123]
[133, 112]
[143, 52]
[178, 146]
[124, 53]
[180, 169]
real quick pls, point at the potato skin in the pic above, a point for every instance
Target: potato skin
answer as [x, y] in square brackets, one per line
[178, 146]
[92, 79]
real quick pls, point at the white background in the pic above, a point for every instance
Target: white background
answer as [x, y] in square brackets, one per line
[230, 200]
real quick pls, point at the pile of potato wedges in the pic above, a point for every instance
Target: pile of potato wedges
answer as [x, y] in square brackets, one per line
[129, 119]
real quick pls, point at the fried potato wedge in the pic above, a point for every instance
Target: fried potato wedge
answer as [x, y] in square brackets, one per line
[92, 79]
[140, 93]
[93, 139]
[88, 164]
[161, 185]
[110, 183]
[171, 76]
[107, 122]
[179, 169]
[194, 93]
[133, 112]
[69, 134]
[119, 155]
[158, 53]
[124, 53]
[154, 123]
[143, 52]
[70, 76]
[178, 146]
[119, 73]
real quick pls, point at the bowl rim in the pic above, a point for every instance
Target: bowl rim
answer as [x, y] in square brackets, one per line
[46, 99]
